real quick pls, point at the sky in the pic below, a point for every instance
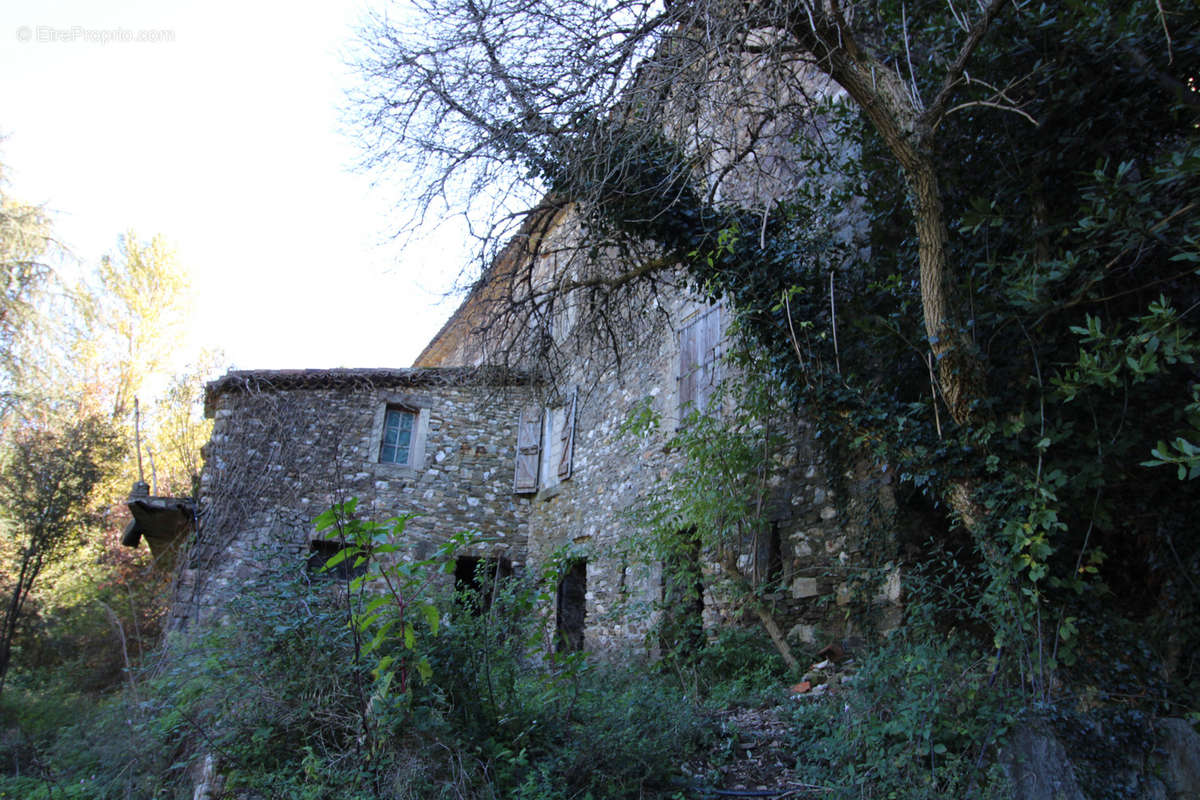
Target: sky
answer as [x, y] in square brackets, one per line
[217, 124]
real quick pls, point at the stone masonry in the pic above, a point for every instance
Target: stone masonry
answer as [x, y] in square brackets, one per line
[288, 444]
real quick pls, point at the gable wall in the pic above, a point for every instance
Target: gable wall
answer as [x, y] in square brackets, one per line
[278, 457]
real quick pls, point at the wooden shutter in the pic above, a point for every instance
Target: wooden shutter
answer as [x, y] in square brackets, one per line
[699, 359]
[708, 338]
[529, 448]
[566, 452]
[688, 350]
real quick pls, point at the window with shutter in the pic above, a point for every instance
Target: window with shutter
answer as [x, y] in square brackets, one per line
[699, 359]
[529, 447]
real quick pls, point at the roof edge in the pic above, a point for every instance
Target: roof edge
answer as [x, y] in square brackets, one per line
[277, 380]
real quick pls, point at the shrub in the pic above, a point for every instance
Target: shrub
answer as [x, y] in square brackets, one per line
[922, 715]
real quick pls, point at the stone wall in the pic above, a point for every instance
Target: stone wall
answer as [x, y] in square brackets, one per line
[285, 446]
[833, 521]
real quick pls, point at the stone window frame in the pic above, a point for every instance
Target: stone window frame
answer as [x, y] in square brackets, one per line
[415, 405]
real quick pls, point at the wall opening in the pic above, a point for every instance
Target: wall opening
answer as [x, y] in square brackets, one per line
[476, 581]
[571, 608]
[772, 558]
[319, 553]
[681, 631]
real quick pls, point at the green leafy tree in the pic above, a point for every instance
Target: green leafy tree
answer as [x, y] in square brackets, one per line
[25, 239]
[47, 498]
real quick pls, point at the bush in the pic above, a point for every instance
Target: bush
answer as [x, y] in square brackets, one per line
[922, 717]
[546, 727]
[285, 696]
[739, 667]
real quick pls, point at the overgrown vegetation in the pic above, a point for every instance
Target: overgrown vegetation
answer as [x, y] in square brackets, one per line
[1010, 328]
[302, 693]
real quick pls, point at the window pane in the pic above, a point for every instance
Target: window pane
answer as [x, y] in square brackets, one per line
[397, 436]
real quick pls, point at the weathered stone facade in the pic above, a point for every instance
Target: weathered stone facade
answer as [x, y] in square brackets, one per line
[820, 515]
[286, 445]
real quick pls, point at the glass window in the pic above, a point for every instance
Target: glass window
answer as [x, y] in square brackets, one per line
[397, 436]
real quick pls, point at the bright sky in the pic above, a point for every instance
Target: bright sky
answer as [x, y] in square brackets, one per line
[224, 137]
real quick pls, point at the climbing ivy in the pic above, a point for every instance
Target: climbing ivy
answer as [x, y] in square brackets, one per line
[1074, 242]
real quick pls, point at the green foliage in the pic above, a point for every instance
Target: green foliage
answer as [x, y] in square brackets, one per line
[47, 485]
[738, 667]
[391, 597]
[924, 714]
[25, 238]
[714, 505]
[1072, 251]
[552, 726]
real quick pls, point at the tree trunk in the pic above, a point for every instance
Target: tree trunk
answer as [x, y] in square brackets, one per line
[31, 565]
[729, 564]
[889, 105]
[907, 130]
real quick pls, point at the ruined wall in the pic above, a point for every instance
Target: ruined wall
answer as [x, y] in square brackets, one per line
[287, 445]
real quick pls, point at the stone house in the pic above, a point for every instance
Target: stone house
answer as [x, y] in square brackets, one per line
[287, 444]
[540, 467]
[582, 471]
[537, 461]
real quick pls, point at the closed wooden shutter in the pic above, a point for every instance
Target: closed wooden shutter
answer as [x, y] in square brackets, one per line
[529, 448]
[699, 358]
[687, 368]
[567, 450]
[708, 358]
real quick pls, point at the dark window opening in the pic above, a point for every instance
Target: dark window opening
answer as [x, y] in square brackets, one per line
[320, 551]
[571, 608]
[476, 581]
[770, 557]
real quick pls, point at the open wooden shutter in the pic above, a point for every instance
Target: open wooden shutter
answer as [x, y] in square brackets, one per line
[567, 450]
[529, 448]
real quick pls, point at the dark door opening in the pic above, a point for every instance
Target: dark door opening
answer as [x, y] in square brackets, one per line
[571, 608]
[770, 558]
[476, 581]
[681, 632]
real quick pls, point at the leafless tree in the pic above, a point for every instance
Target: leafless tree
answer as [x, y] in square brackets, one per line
[497, 102]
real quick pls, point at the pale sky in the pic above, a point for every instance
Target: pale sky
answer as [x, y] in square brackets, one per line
[222, 135]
